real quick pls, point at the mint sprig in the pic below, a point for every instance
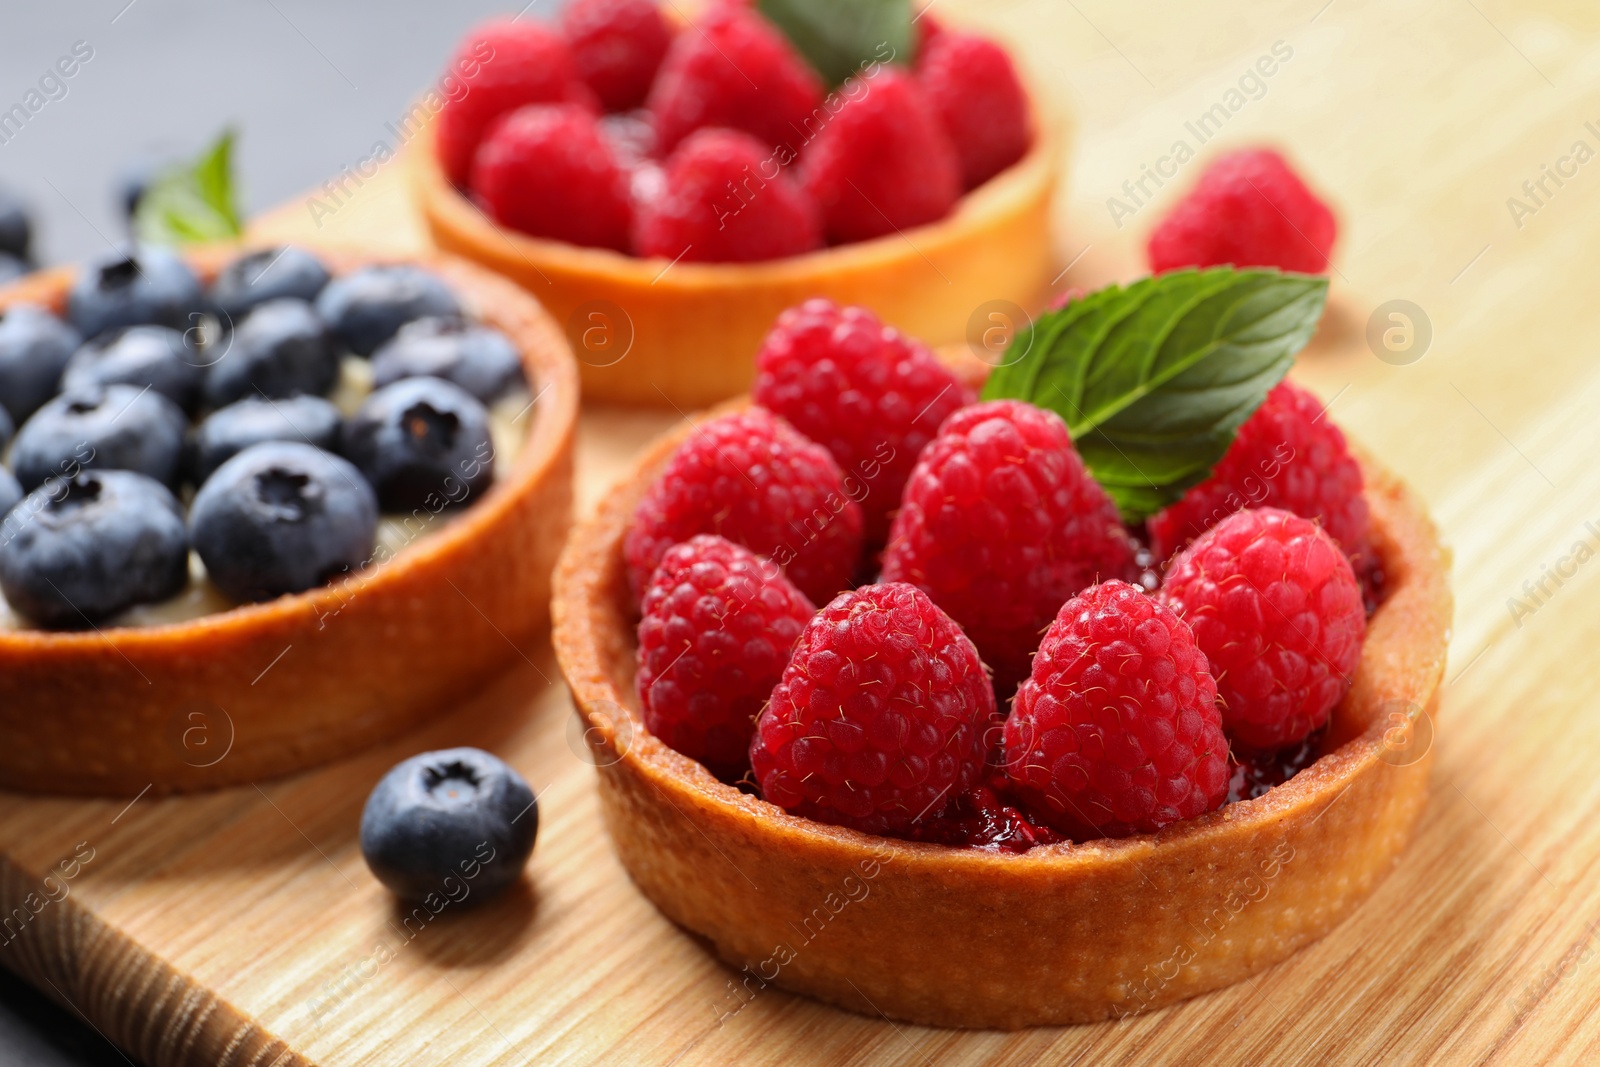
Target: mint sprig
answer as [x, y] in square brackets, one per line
[1155, 379]
[192, 203]
[841, 37]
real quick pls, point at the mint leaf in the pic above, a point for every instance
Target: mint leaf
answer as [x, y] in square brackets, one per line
[1155, 379]
[192, 203]
[841, 37]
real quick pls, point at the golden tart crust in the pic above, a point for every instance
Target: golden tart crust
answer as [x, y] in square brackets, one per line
[691, 330]
[1063, 933]
[267, 689]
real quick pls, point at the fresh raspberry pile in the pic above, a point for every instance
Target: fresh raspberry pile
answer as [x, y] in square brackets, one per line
[870, 395]
[1117, 730]
[881, 718]
[734, 68]
[980, 101]
[1276, 608]
[719, 623]
[1286, 455]
[503, 65]
[751, 478]
[546, 169]
[714, 206]
[883, 163]
[1249, 209]
[1000, 523]
[616, 47]
[888, 150]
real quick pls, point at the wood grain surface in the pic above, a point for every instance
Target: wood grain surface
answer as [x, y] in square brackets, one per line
[242, 927]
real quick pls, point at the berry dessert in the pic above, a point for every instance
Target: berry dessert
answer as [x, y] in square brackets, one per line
[1068, 794]
[242, 516]
[672, 182]
[457, 824]
[1249, 209]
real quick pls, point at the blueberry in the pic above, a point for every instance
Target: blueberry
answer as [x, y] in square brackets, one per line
[421, 442]
[281, 517]
[228, 431]
[367, 306]
[480, 359]
[445, 820]
[120, 427]
[10, 491]
[269, 274]
[11, 268]
[16, 226]
[154, 356]
[34, 349]
[282, 348]
[78, 550]
[149, 285]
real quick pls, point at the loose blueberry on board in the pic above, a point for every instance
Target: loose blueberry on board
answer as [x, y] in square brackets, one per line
[157, 357]
[228, 431]
[421, 442]
[34, 349]
[116, 427]
[78, 550]
[146, 285]
[282, 348]
[365, 307]
[268, 274]
[447, 819]
[16, 226]
[480, 359]
[10, 491]
[282, 517]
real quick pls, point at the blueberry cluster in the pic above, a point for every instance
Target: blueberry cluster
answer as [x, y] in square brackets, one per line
[152, 385]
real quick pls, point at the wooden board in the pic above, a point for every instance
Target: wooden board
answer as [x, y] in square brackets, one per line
[242, 927]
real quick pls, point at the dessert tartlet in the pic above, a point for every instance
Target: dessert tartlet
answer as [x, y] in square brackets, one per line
[722, 184]
[1062, 933]
[203, 691]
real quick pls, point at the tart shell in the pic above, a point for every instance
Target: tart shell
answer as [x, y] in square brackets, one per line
[1063, 933]
[267, 689]
[654, 332]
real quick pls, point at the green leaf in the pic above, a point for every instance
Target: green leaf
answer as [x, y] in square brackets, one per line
[192, 203]
[841, 37]
[1155, 379]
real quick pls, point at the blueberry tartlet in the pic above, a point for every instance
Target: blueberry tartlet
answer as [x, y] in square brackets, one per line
[667, 182]
[220, 519]
[952, 722]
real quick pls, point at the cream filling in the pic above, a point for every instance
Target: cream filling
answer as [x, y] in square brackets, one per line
[508, 427]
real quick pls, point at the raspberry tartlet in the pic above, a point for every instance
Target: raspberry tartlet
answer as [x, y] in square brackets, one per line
[290, 589]
[921, 191]
[1092, 842]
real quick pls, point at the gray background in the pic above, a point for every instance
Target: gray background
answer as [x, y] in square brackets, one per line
[309, 86]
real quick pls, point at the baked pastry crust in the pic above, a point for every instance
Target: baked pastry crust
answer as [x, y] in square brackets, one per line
[1063, 933]
[267, 689]
[686, 334]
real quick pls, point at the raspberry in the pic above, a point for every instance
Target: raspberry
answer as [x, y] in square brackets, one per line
[1288, 456]
[753, 479]
[502, 66]
[866, 392]
[616, 47]
[1277, 609]
[1251, 210]
[883, 714]
[1000, 523]
[1117, 731]
[546, 170]
[719, 204]
[882, 163]
[733, 68]
[979, 99]
[719, 623]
